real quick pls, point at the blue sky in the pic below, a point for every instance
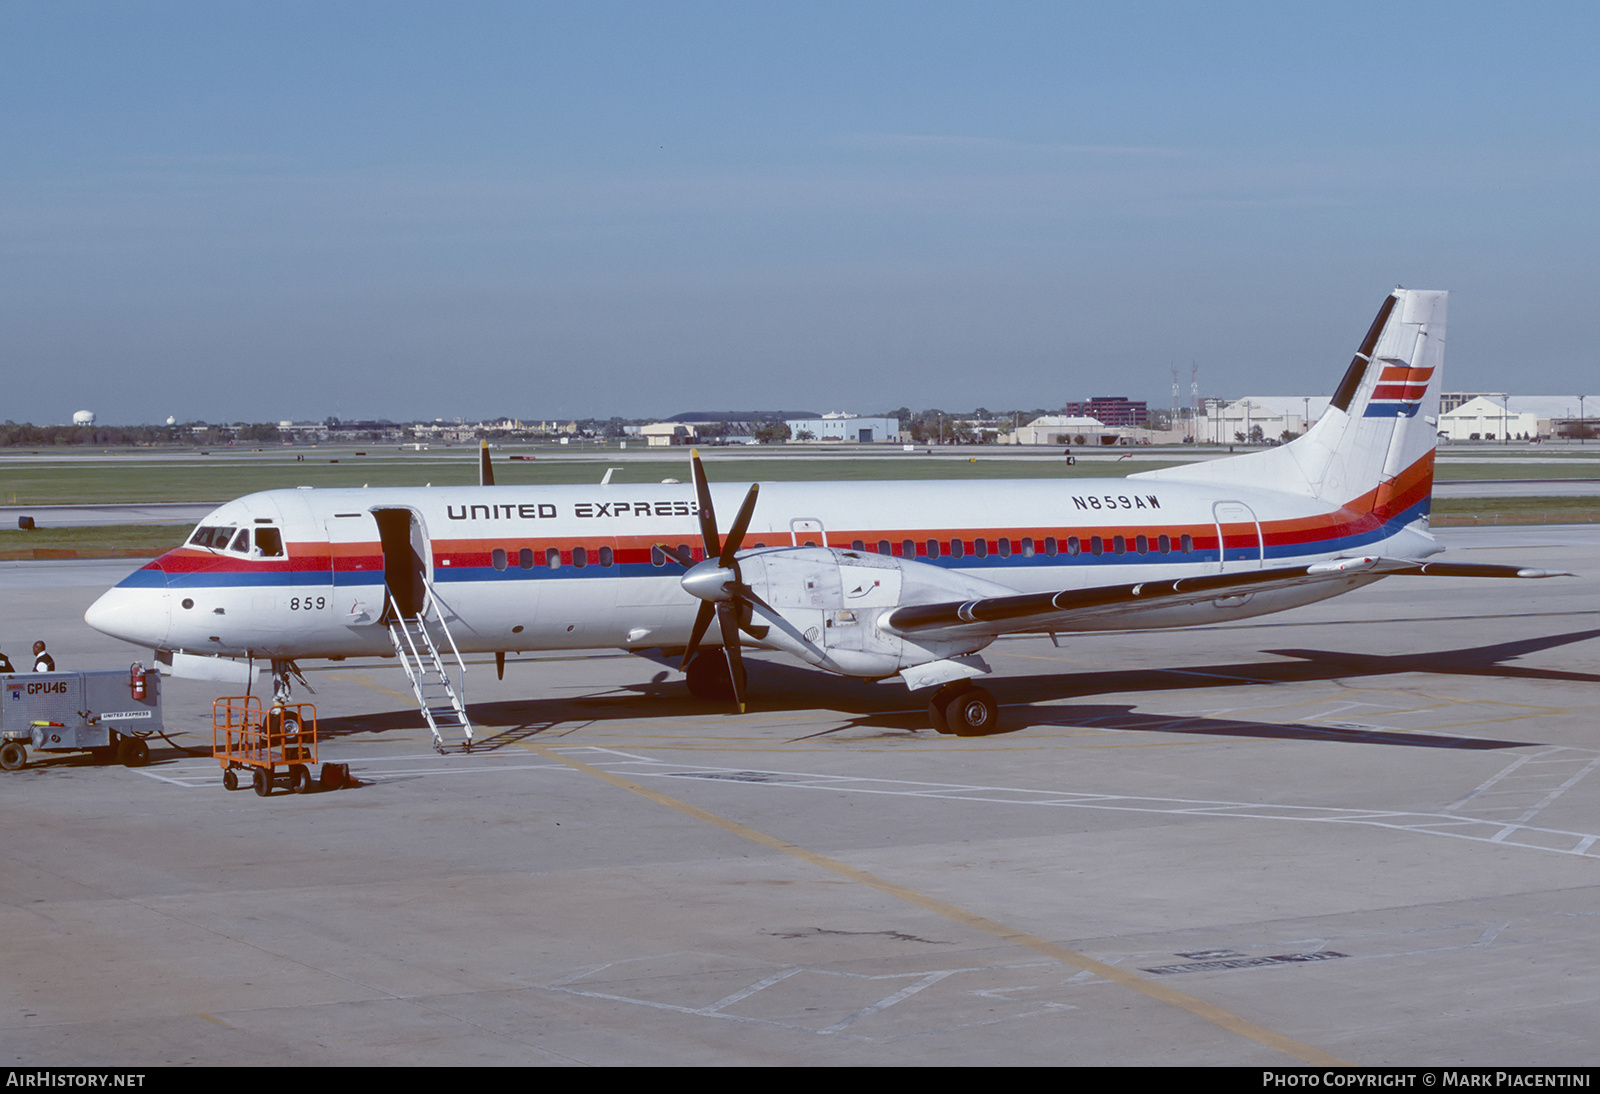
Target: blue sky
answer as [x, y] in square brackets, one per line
[282, 210]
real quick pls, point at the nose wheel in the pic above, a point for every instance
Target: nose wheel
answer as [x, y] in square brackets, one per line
[965, 710]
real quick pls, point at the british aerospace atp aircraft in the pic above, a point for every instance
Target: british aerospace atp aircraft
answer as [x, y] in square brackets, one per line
[864, 579]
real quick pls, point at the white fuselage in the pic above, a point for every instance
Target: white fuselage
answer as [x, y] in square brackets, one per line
[527, 568]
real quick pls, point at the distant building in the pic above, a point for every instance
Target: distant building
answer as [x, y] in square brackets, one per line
[1112, 410]
[1274, 415]
[1487, 419]
[845, 427]
[662, 434]
[1450, 400]
[1055, 429]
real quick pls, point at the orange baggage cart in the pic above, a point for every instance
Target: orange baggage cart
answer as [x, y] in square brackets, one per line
[246, 738]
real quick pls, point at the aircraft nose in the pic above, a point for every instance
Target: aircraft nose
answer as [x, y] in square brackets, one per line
[136, 610]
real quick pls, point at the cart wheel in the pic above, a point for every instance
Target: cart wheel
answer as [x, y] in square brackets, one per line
[133, 752]
[299, 779]
[13, 756]
[262, 781]
[334, 776]
[230, 779]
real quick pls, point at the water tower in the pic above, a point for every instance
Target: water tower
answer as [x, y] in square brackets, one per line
[83, 417]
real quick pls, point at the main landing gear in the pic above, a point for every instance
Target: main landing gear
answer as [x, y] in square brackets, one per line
[964, 709]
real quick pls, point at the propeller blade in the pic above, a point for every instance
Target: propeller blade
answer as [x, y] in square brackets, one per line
[702, 620]
[485, 472]
[740, 524]
[708, 515]
[728, 616]
[675, 555]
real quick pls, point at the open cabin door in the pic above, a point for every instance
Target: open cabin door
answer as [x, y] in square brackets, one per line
[406, 559]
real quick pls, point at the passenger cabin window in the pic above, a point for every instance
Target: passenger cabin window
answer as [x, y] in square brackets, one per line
[933, 548]
[1027, 547]
[884, 548]
[580, 557]
[1142, 545]
[657, 556]
[606, 556]
[552, 557]
[1188, 543]
[1097, 545]
[908, 549]
[858, 545]
[525, 558]
[957, 548]
[1050, 546]
[1164, 545]
[498, 558]
[980, 547]
[1074, 547]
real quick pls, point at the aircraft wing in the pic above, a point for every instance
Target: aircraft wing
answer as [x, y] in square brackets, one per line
[1039, 611]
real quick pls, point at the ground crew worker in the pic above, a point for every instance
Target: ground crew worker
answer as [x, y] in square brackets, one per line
[5, 664]
[42, 661]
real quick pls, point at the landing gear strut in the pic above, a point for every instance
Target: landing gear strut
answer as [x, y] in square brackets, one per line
[284, 674]
[964, 709]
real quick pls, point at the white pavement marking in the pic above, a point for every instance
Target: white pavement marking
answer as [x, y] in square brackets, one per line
[1482, 830]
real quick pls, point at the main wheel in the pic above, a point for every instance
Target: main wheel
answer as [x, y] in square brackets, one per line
[13, 755]
[133, 752]
[708, 676]
[230, 779]
[261, 780]
[973, 713]
[299, 779]
[939, 704]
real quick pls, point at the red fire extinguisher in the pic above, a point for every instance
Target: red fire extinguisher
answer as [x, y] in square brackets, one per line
[136, 679]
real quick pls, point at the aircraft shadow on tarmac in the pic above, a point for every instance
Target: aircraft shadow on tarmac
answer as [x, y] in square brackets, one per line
[777, 687]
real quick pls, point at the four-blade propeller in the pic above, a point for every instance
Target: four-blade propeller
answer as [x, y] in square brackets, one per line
[717, 581]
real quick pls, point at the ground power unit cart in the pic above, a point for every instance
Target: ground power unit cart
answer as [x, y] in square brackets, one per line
[108, 713]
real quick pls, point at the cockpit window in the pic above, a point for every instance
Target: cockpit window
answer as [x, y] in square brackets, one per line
[236, 541]
[212, 536]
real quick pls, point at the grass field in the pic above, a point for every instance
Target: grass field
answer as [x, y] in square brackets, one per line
[205, 480]
[189, 477]
[1458, 512]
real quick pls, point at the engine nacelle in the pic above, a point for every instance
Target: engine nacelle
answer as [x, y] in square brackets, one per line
[830, 604]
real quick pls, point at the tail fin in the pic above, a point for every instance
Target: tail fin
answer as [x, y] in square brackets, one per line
[485, 471]
[1372, 449]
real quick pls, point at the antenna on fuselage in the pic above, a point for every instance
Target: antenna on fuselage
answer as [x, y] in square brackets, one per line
[485, 472]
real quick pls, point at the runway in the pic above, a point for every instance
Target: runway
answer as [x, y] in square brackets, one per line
[1366, 831]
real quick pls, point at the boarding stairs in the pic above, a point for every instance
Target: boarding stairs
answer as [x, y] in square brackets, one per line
[444, 705]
